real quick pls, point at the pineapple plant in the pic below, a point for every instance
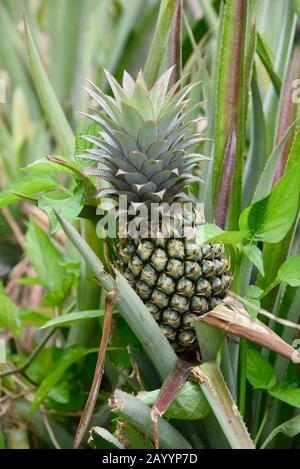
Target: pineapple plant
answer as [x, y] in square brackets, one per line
[146, 151]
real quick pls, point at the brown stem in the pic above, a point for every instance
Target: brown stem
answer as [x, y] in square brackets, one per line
[288, 110]
[87, 413]
[171, 385]
[225, 184]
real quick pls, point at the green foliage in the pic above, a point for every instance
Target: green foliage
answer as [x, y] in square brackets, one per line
[9, 313]
[260, 373]
[290, 428]
[69, 356]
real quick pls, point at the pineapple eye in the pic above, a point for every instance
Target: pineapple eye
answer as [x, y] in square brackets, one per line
[214, 301]
[175, 268]
[160, 241]
[149, 275]
[221, 265]
[159, 298]
[206, 251]
[185, 287]
[217, 250]
[187, 320]
[121, 264]
[145, 249]
[203, 287]
[129, 276]
[199, 304]
[154, 310]
[165, 283]
[143, 290]
[193, 250]
[226, 281]
[171, 317]
[186, 337]
[126, 252]
[169, 332]
[159, 260]
[176, 249]
[216, 285]
[136, 265]
[179, 303]
[192, 270]
[208, 268]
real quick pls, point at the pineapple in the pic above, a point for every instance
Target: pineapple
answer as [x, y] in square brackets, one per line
[146, 153]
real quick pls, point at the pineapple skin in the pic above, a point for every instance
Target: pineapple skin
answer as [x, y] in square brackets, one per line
[178, 280]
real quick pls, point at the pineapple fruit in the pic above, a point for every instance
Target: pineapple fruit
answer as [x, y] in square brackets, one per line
[145, 150]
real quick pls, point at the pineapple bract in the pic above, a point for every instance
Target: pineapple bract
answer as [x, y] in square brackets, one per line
[145, 154]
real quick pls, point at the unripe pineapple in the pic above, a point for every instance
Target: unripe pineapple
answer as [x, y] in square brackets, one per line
[145, 149]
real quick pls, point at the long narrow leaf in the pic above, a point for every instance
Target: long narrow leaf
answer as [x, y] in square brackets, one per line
[230, 102]
[138, 414]
[160, 41]
[56, 118]
[216, 392]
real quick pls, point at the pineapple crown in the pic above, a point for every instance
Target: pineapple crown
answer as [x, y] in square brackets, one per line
[142, 146]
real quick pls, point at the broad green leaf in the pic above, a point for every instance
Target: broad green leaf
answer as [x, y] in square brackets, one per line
[28, 185]
[289, 272]
[289, 428]
[271, 218]
[290, 396]
[229, 237]
[254, 254]
[56, 118]
[56, 297]
[212, 233]
[68, 206]
[9, 313]
[45, 258]
[66, 319]
[44, 165]
[188, 404]
[253, 292]
[69, 356]
[260, 373]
